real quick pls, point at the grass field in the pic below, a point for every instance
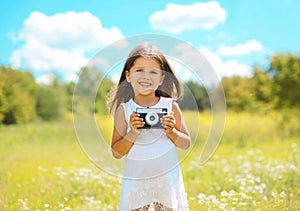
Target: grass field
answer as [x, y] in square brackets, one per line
[255, 167]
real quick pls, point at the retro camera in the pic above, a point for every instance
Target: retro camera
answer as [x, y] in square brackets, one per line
[151, 116]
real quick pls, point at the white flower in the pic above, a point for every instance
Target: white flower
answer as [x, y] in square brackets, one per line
[201, 196]
[273, 194]
[282, 194]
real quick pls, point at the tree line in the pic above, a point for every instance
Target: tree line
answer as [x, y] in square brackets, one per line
[274, 88]
[23, 100]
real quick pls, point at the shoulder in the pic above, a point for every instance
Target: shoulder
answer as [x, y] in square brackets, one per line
[124, 110]
[175, 107]
[120, 112]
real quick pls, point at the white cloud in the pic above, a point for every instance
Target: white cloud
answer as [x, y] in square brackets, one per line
[227, 68]
[72, 77]
[39, 57]
[60, 42]
[241, 49]
[178, 18]
[45, 79]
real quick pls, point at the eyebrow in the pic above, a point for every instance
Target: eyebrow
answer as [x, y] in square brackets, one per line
[138, 67]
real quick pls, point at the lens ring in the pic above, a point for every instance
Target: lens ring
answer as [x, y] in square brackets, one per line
[149, 116]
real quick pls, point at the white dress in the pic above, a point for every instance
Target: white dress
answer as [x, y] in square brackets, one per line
[151, 168]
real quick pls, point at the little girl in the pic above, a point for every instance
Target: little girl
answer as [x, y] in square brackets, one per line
[152, 178]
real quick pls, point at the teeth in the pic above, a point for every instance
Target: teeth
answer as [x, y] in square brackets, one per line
[144, 84]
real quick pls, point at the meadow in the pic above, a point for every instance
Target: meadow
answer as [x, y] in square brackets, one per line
[255, 167]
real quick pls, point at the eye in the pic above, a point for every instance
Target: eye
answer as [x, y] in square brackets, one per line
[154, 72]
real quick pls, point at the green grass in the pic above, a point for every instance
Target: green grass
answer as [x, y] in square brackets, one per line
[255, 167]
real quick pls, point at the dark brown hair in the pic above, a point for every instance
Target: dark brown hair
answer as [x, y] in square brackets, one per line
[122, 92]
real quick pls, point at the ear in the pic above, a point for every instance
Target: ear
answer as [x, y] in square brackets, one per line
[127, 74]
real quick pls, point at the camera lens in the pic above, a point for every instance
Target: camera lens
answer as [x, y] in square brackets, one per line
[152, 118]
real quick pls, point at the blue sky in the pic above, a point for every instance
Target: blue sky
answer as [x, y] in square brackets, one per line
[60, 36]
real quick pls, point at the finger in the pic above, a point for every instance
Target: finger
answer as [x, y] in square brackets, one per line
[136, 119]
[168, 117]
[168, 124]
[138, 124]
[168, 120]
[133, 115]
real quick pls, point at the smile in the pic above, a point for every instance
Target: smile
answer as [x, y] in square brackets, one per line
[145, 84]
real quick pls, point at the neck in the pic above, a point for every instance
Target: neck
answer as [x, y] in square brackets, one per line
[146, 101]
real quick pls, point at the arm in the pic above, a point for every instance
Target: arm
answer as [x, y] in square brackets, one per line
[176, 129]
[121, 140]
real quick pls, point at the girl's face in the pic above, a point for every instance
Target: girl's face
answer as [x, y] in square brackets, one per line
[145, 76]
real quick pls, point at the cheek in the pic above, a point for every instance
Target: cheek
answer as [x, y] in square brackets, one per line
[134, 76]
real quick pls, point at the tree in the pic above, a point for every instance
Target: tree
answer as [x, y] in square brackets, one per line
[69, 88]
[262, 85]
[51, 101]
[195, 97]
[91, 92]
[103, 90]
[3, 102]
[285, 70]
[17, 96]
[239, 93]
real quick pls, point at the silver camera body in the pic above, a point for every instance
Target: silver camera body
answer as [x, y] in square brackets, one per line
[151, 116]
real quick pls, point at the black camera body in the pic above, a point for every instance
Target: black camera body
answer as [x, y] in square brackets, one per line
[151, 116]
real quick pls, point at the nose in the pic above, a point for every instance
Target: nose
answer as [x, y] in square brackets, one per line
[145, 74]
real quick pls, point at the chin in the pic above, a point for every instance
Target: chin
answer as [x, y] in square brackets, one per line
[146, 92]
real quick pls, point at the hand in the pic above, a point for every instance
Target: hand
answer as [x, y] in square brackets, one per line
[168, 122]
[136, 122]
